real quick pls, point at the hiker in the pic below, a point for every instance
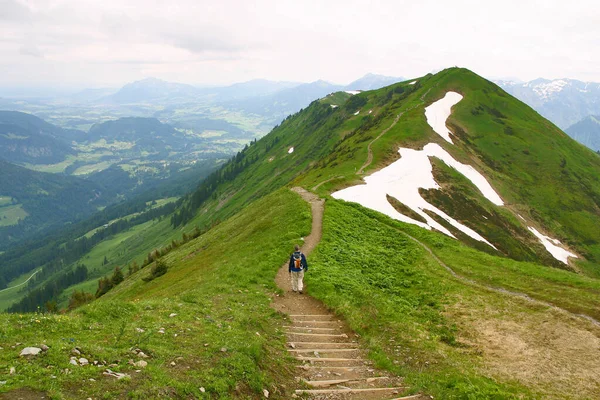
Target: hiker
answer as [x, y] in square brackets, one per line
[298, 265]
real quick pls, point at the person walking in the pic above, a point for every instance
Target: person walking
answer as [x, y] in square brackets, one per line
[298, 265]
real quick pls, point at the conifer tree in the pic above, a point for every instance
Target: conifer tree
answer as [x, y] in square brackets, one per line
[117, 276]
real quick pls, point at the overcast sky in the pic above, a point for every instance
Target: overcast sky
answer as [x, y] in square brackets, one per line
[95, 43]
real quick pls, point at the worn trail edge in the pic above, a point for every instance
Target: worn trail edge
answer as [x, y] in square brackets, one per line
[332, 364]
[500, 290]
[370, 151]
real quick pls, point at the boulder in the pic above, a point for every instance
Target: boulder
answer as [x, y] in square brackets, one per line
[30, 351]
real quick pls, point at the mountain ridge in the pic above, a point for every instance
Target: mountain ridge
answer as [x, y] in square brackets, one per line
[563, 101]
[586, 132]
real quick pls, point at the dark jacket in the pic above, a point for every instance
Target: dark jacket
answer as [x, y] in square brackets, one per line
[302, 262]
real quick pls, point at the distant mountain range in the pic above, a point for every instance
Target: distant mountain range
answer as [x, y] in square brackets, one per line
[25, 138]
[151, 90]
[373, 82]
[587, 132]
[563, 101]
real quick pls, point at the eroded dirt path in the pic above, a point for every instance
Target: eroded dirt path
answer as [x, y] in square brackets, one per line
[332, 364]
[370, 152]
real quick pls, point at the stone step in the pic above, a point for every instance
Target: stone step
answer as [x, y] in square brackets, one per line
[317, 372]
[306, 328]
[311, 315]
[341, 359]
[365, 393]
[313, 318]
[320, 351]
[292, 336]
[323, 345]
[334, 361]
[375, 381]
[324, 353]
[317, 323]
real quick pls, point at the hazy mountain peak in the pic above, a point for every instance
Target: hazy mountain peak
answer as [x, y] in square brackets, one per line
[372, 81]
[563, 101]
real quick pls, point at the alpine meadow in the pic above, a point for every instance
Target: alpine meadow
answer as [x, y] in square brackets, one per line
[456, 249]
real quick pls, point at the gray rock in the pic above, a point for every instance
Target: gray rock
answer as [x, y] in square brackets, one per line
[83, 361]
[117, 375]
[141, 364]
[44, 347]
[12, 371]
[73, 362]
[76, 352]
[30, 351]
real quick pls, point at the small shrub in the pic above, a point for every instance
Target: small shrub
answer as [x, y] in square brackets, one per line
[159, 269]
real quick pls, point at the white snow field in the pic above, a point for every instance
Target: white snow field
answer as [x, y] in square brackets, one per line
[333, 106]
[412, 83]
[551, 245]
[402, 180]
[291, 150]
[356, 113]
[352, 92]
[438, 112]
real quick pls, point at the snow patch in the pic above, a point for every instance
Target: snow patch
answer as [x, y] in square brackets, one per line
[435, 150]
[356, 113]
[552, 245]
[291, 150]
[352, 92]
[403, 179]
[545, 90]
[334, 106]
[370, 111]
[521, 217]
[438, 112]
[412, 83]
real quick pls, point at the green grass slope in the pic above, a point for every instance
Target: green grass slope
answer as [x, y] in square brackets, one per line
[541, 174]
[425, 324]
[223, 338]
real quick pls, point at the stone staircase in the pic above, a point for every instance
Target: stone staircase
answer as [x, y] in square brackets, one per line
[332, 362]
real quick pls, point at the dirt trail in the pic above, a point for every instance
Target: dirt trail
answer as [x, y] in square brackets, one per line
[370, 152]
[332, 363]
[500, 290]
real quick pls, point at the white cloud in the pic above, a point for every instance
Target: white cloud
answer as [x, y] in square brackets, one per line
[219, 42]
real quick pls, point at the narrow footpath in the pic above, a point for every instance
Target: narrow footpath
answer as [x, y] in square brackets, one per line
[332, 364]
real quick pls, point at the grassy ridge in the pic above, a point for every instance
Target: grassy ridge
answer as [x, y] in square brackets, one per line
[222, 339]
[391, 293]
[530, 161]
[397, 297]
